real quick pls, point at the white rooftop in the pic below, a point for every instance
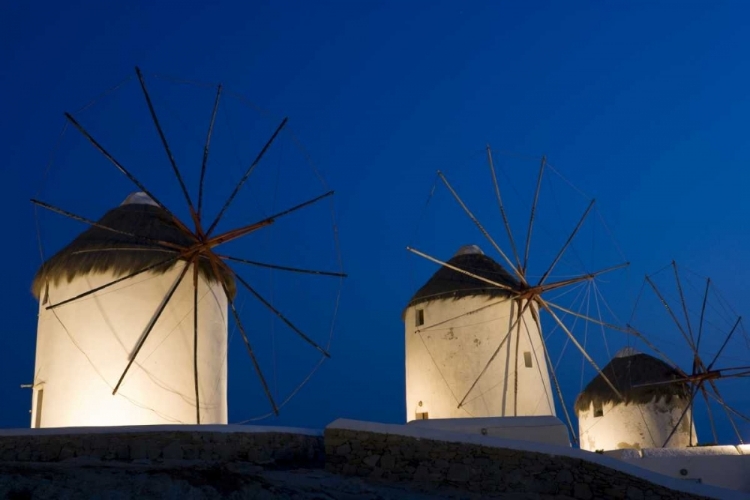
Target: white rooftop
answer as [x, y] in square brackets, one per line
[139, 198]
[469, 250]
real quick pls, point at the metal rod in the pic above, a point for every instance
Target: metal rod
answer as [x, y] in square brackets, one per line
[567, 243]
[164, 142]
[151, 325]
[282, 268]
[684, 305]
[504, 216]
[494, 355]
[481, 228]
[467, 273]
[205, 151]
[543, 303]
[533, 213]
[244, 177]
[281, 316]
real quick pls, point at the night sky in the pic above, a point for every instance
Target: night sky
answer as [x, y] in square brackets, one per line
[643, 107]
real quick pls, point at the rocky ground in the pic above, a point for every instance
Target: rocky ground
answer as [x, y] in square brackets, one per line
[186, 480]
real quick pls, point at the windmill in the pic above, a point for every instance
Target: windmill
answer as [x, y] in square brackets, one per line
[712, 339]
[142, 279]
[514, 358]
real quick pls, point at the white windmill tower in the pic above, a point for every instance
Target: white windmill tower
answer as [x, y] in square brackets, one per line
[83, 346]
[475, 346]
[134, 312]
[668, 395]
[468, 319]
[654, 413]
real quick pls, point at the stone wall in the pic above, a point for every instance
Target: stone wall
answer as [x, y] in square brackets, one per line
[490, 470]
[262, 448]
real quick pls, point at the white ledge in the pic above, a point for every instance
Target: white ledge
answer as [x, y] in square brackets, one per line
[132, 429]
[495, 442]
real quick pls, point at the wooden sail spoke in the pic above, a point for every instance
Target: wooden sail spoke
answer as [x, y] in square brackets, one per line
[578, 279]
[151, 325]
[99, 225]
[504, 216]
[688, 406]
[462, 271]
[282, 268]
[245, 230]
[195, 344]
[544, 305]
[205, 152]
[553, 375]
[726, 341]
[251, 353]
[684, 304]
[703, 311]
[245, 176]
[669, 310]
[127, 173]
[728, 410]
[494, 354]
[479, 225]
[532, 215]
[281, 316]
[710, 415]
[567, 244]
[146, 269]
[167, 150]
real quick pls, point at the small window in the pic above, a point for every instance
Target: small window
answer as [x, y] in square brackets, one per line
[422, 415]
[598, 411]
[420, 317]
[527, 359]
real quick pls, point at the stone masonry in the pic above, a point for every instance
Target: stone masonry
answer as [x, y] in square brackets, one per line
[491, 471]
[260, 448]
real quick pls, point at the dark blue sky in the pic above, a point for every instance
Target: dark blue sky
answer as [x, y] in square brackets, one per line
[642, 106]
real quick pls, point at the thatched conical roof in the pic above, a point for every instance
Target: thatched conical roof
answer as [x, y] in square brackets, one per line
[448, 283]
[99, 250]
[627, 370]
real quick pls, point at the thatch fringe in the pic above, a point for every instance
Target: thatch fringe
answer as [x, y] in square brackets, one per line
[98, 250]
[447, 283]
[627, 372]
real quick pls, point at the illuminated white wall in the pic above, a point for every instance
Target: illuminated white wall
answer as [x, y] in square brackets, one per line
[636, 426]
[443, 362]
[84, 346]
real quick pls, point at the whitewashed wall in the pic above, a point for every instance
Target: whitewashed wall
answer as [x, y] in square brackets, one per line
[636, 426]
[443, 362]
[84, 346]
[723, 466]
